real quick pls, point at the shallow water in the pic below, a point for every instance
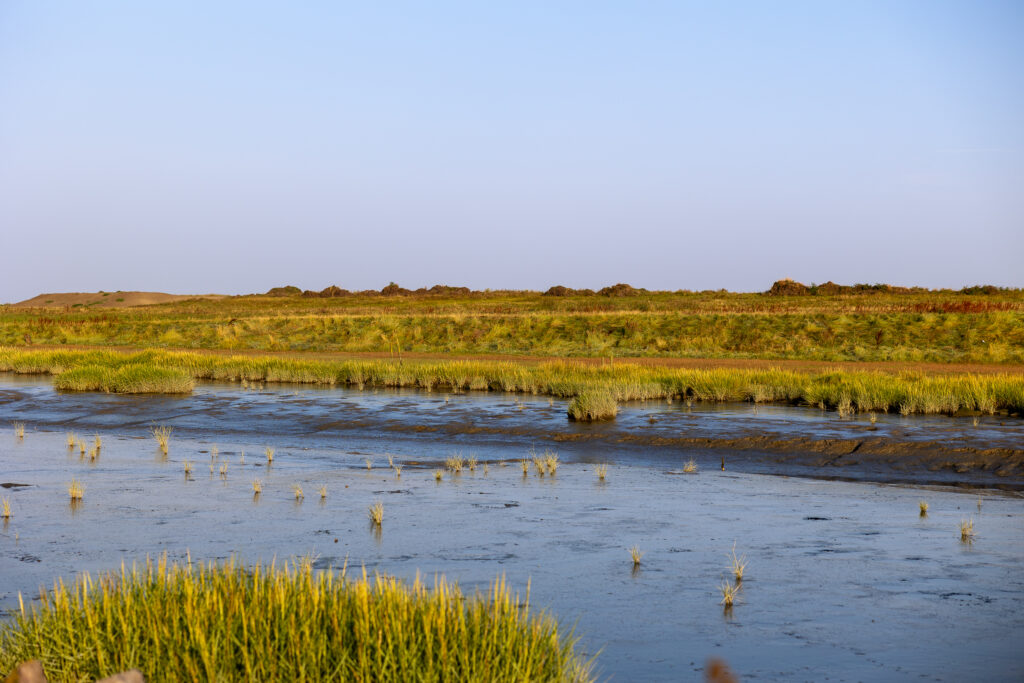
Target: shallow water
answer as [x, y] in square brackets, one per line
[845, 579]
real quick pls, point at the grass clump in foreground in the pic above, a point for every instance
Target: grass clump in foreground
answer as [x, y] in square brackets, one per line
[231, 623]
[135, 378]
[592, 406]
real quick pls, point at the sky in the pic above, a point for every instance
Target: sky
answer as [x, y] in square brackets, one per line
[229, 147]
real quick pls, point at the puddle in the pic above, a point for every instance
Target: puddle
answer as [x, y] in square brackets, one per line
[845, 581]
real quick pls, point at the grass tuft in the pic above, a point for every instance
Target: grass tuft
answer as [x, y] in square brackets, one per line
[134, 378]
[738, 565]
[376, 513]
[299, 495]
[592, 406]
[257, 487]
[602, 472]
[163, 437]
[228, 622]
[19, 429]
[5, 509]
[75, 490]
[72, 440]
[729, 593]
[690, 467]
[966, 530]
[438, 475]
[923, 507]
[635, 554]
[269, 452]
[323, 492]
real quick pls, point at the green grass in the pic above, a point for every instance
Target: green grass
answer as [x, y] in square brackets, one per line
[136, 378]
[862, 391]
[265, 623]
[866, 326]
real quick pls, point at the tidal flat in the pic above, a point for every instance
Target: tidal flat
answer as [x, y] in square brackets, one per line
[846, 579]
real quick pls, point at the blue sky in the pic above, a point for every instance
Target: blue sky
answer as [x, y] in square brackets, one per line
[230, 147]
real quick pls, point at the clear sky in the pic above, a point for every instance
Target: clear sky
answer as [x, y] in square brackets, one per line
[233, 146]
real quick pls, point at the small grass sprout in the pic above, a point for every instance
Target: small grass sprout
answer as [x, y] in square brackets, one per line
[297, 490]
[455, 462]
[214, 452]
[323, 492]
[75, 490]
[72, 440]
[391, 460]
[525, 465]
[376, 513]
[81, 447]
[223, 469]
[923, 507]
[738, 565]
[438, 475]
[602, 472]
[635, 553]
[729, 593]
[19, 429]
[5, 510]
[97, 442]
[257, 487]
[163, 437]
[398, 471]
[472, 463]
[690, 467]
[966, 530]
[188, 467]
[269, 452]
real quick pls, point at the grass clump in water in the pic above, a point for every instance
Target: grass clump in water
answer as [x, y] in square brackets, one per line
[923, 507]
[5, 512]
[134, 378]
[690, 467]
[636, 554]
[602, 472]
[376, 513]
[967, 530]
[163, 437]
[593, 406]
[75, 490]
[19, 430]
[228, 622]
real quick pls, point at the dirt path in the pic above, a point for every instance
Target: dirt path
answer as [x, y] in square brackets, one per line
[694, 363]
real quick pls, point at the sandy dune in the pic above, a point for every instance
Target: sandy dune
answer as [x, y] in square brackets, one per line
[107, 299]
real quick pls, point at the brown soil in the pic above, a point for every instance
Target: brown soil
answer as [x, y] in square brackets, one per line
[107, 299]
[693, 363]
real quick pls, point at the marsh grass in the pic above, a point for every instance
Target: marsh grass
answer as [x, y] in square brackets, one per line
[214, 452]
[551, 462]
[376, 513]
[923, 507]
[188, 468]
[471, 463]
[19, 429]
[76, 490]
[593, 405]
[438, 475]
[5, 509]
[72, 439]
[257, 487]
[455, 463]
[297, 490]
[229, 622]
[398, 471]
[907, 392]
[601, 471]
[525, 464]
[163, 437]
[269, 452]
[224, 469]
[635, 554]
[729, 593]
[323, 492]
[690, 467]
[966, 530]
[134, 378]
[738, 565]
[81, 447]
[97, 442]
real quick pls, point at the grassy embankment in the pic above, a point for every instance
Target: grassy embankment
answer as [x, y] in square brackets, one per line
[232, 623]
[842, 390]
[934, 326]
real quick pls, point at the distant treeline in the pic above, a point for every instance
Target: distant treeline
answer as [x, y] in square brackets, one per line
[784, 287]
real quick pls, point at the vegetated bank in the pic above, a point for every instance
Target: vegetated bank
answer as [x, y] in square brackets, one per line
[846, 391]
[229, 622]
[790, 321]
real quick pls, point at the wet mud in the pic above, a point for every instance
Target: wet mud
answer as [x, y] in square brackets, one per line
[845, 581]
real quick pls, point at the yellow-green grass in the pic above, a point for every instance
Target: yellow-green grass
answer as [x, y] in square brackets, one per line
[874, 325]
[635, 554]
[163, 437]
[376, 513]
[228, 622]
[601, 471]
[19, 429]
[5, 509]
[690, 467]
[923, 507]
[136, 378]
[76, 491]
[592, 405]
[863, 391]
[729, 593]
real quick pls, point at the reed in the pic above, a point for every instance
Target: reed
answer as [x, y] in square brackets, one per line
[525, 464]
[471, 463]
[135, 378]
[19, 430]
[76, 490]
[230, 622]
[163, 437]
[376, 513]
[214, 452]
